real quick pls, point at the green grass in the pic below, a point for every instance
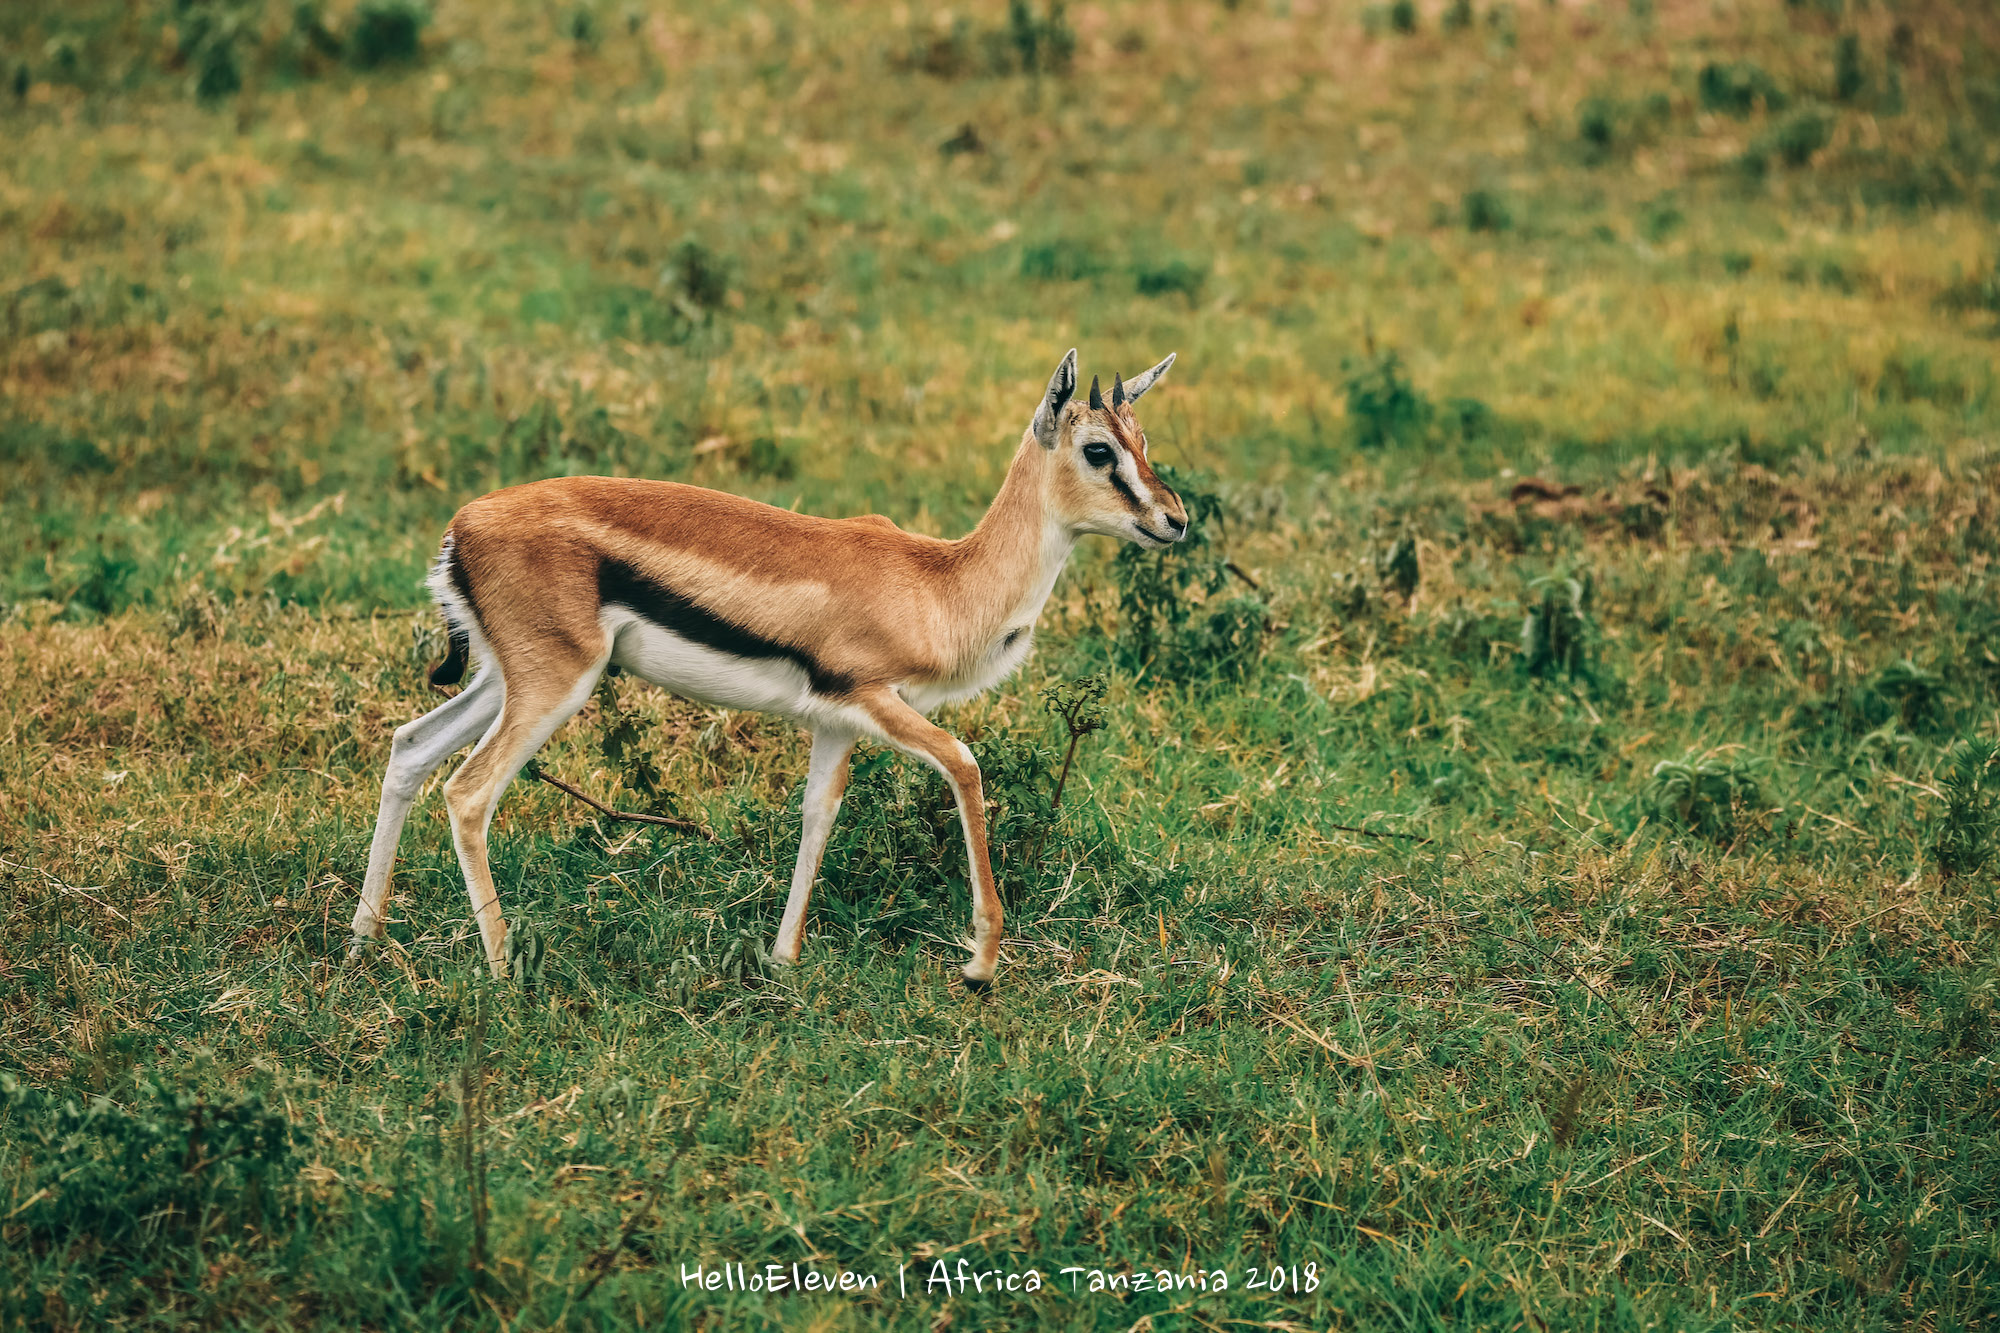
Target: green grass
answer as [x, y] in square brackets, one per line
[1597, 411]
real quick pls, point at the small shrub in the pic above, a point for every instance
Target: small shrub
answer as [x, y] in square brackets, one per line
[157, 1168]
[766, 457]
[626, 742]
[220, 77]
[1661, 219]
[1079, 706]
[1383, 407]
[963, 143]
[1975, 291]
[1485, 210]
[1968, 832]
[1044, 45]
[701, 275]
[1351, 594]
[1167, 277]
[1059, 261]
[1397, 567]
[745, 960]
[1403, 16]
[1027, 43]
[1849, 77]
[896, 862]
[386, 32]
[1556, 632]
[1706, 794]
[1800, 135]
[1915, 693]
[1458, 16]
[1909, 379]
[1597, 123]
[1159, 630]
[1739, 89]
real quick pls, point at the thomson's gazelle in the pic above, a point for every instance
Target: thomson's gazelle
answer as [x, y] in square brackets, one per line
[852, 627]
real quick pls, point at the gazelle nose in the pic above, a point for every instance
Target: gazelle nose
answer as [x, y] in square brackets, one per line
[1179, 525]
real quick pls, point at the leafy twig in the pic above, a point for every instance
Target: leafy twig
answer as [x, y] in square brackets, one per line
[1080, 706]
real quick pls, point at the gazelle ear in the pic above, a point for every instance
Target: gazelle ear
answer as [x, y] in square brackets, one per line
[1141, 383]
[1062, 386]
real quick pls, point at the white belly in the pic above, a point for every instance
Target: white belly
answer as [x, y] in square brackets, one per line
[706, 675]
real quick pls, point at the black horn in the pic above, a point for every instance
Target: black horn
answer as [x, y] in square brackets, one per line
[1117, 389]
[1096, 398]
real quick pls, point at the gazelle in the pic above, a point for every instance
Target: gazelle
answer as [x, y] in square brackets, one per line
[851, 627]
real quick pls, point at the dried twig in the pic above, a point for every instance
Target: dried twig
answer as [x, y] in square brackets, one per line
[1237, 570]
[687, 826]
[1374, 833]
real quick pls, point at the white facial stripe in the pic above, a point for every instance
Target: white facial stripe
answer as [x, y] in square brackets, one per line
[1129, 472]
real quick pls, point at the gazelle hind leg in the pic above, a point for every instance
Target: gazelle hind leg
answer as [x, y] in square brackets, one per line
[532, 712]
[909, 731]
[826, 779]
[419, 748]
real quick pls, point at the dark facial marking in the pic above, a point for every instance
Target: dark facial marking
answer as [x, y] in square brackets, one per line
[620, 584]
[1117, 481]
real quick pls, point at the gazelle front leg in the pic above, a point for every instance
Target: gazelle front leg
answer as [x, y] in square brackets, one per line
[909, 731]
[826, 779]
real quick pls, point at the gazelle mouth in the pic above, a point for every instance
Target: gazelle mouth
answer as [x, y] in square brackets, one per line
[1150, 534]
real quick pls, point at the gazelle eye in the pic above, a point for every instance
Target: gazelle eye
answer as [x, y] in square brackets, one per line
[1097, 455]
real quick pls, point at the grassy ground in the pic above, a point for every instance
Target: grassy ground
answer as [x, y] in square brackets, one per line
[1599, 408]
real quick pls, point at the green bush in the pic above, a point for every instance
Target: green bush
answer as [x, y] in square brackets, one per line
[1383, 407]
[1557, 632]
[1966, 836]
[1171, 623]
[386, 32]
[1801, 135]
[1485, 210]
[159, 1167]
[1059, 261]
[1166, 277]
[1738, 89]
[1849, 77]
[1706, 794]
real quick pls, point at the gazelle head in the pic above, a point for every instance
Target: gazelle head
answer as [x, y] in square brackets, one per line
[1102, 481]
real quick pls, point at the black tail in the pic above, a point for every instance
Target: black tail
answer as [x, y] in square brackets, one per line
[452, 669]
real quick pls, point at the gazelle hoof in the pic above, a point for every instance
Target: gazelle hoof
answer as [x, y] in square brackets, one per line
[358, 947]
[976, 985]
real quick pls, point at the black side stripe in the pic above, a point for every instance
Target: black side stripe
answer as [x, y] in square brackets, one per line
[620, 584]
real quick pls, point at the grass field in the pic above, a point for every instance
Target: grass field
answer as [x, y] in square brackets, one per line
[1537, 870]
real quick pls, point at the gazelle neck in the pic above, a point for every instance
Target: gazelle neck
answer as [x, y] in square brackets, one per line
[1012, 559]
